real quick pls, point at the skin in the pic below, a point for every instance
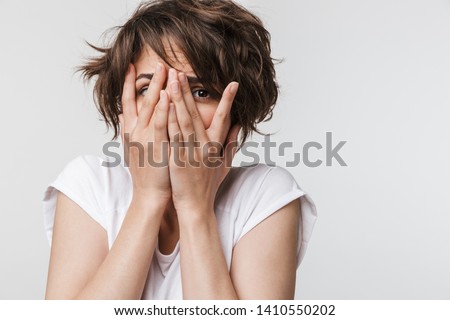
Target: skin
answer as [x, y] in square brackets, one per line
[172, 203]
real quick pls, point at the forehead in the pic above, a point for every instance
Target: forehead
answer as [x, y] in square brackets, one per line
[147, 60]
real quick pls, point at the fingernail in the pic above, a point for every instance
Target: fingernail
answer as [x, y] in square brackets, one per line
[175, 86]
[234, 87]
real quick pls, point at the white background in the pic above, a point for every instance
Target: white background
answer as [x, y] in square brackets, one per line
[375, 73]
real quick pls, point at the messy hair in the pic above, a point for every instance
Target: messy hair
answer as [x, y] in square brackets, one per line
[221, 40]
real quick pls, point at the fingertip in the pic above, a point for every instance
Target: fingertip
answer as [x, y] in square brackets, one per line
[163, 101]
[159, 67]
[130, 68]
[172, 74]
[162, 95]
[234, 86]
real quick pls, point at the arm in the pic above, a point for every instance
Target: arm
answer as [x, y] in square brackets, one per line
[203, 265]
[81, 266]
[204, 271]
[263, 263]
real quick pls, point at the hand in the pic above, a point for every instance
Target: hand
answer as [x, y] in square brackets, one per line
[197, 172]
[145, 136]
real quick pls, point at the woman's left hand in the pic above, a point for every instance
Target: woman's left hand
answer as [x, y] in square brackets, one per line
[196, 166]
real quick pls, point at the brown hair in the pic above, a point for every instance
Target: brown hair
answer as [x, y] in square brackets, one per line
[222, 41]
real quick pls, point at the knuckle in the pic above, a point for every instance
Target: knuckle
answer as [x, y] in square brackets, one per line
[185, 123]
[175, 136]
[194, 114]
[222, 115]
[214, 146]
[176, 97]
[159, 125]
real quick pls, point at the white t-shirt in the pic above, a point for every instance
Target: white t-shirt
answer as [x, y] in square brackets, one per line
[246, 197]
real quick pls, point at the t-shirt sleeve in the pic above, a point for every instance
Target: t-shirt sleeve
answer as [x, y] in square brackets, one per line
[276, 189]
[79, 181]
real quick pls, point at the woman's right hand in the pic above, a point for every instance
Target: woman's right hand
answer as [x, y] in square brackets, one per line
[144, 137]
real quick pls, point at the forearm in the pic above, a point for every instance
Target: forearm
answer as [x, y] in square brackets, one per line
[124, 271]
[203, 266]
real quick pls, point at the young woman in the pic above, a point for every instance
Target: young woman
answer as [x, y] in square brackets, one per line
[180, 75]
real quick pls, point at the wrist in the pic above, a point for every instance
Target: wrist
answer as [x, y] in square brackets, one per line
[194, 227]
[149, 203]
[194, 215]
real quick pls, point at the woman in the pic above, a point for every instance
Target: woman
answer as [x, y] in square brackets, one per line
[179, 81]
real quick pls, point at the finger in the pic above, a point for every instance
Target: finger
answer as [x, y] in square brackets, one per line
[183, 116]
[231, 145]
[129, 108]
[122, 134]
[121, 124]
[191, 106]
[161, 145]
[161, 117]
[173, 127]
[152, 96]
[220, 124]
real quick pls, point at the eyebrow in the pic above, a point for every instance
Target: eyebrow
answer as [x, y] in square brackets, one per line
[149, 76]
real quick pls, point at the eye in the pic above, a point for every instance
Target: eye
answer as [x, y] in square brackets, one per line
[142, 91]
[201, 93]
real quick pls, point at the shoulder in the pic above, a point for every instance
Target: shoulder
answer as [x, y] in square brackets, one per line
[263, 172]
[94, 168]
[255, 182]
[92, 176]
[92, 185]
[252, 194]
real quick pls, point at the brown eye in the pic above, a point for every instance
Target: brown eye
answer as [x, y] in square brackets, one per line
[142, 91]
[200, 94]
